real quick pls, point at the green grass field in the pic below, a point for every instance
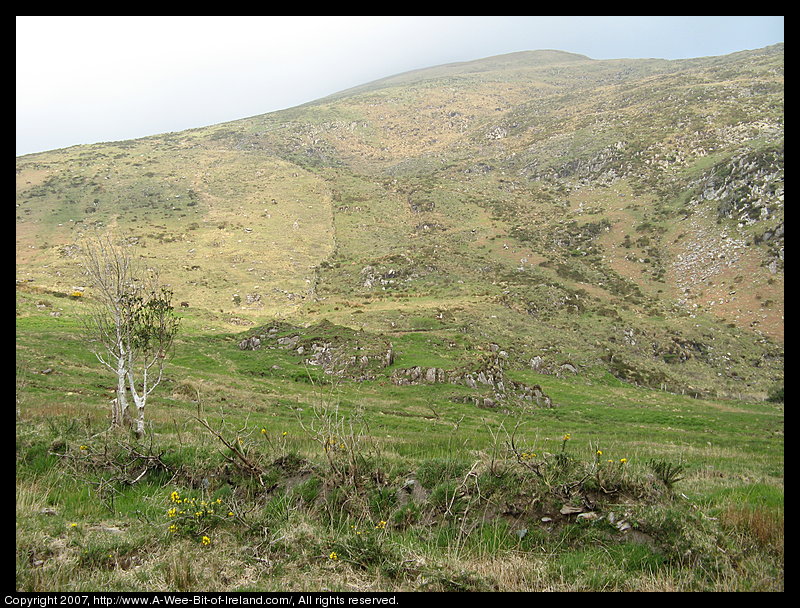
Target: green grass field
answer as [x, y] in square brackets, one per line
[303, 480]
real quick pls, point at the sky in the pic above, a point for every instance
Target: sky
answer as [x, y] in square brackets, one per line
[91, 79]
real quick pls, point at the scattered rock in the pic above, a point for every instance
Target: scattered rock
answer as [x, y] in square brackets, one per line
[250, 343]
[568, 367]
[411, 492]
[288, 342]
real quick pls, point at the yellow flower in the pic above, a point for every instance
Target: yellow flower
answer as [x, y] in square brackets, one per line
[284, 433]
[333, 555]
[175, 497]
[381, 525]
[173, 528]
[84, 448]
[230, 513]
[172, 512]
[263, 431]
[567, 437]
[599, 452]
[73, 525]
[623, 460]
[206, 541]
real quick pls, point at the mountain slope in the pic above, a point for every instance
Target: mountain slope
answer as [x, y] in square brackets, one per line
[621, 217]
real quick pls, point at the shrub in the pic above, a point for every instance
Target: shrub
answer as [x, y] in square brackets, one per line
[775, 395]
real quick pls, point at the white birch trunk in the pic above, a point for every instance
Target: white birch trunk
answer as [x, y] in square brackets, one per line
[140, 398]
[140, 401]
[119, 412]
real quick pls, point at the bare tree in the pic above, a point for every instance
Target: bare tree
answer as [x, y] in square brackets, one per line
[131, 324]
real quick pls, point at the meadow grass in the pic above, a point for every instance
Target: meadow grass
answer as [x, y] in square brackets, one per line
[359, 486]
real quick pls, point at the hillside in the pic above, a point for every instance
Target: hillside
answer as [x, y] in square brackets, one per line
[514, 324]
[623, 215]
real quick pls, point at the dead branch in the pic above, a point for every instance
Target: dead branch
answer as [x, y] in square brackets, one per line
[242, 460]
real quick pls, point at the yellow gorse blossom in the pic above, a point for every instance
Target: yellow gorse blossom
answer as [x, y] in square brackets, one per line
[205, 540]
[333, 555]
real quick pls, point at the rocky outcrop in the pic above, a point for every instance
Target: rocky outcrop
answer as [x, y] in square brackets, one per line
[749, 187]
[542, 366]
[336, 350]
[488, 376]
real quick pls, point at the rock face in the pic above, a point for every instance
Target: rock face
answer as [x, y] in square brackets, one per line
[748, 188]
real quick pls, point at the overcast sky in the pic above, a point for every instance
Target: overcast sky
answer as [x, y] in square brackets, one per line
[91, 79]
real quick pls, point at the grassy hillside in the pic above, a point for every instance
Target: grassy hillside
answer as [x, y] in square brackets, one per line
[412, 287]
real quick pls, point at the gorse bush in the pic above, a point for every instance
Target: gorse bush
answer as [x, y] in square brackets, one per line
[195, 518]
